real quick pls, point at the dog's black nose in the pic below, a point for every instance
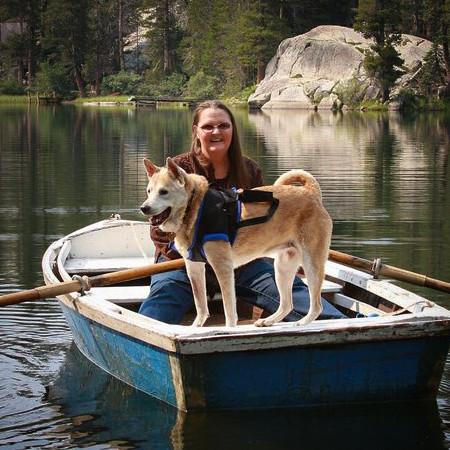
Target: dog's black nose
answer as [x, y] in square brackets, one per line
[145, 209]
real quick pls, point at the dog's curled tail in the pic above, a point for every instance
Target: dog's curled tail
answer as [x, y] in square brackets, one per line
[302, 177]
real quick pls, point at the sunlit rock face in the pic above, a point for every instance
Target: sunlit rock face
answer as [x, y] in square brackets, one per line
[310, 70]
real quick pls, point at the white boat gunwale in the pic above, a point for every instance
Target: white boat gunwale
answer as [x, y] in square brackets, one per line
[432, 321]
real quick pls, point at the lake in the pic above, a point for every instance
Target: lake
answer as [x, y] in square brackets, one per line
[385, 180]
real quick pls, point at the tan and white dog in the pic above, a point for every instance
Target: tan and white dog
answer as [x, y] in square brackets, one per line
[299, 233]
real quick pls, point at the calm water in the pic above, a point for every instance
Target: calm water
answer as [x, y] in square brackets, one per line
[385, 181]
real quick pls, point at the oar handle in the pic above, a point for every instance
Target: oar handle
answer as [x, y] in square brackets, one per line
[389, 271]
[415, 278]
[106, 279]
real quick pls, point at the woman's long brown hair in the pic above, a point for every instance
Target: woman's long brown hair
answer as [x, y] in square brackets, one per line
[237, 174]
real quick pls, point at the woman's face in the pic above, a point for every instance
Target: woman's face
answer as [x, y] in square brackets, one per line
[214, 131]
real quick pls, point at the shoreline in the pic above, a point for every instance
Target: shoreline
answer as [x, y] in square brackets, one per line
[124, 101]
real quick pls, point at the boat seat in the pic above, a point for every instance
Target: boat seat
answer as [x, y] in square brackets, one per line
[328, 287]
[122, 295]
[101, 265]
[134, 294]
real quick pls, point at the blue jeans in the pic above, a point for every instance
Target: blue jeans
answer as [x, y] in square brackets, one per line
[171, 294]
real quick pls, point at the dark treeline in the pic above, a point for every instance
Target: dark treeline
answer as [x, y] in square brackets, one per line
[192, 47]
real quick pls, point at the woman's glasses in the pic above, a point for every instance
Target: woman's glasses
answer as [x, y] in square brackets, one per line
[208, 129]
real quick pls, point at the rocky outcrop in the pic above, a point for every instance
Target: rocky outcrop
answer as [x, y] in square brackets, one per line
[313, 70]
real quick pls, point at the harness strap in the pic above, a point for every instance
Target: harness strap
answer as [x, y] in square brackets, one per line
[253, 196]
[219, 214]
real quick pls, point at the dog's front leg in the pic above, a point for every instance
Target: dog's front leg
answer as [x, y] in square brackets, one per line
[218, 254]
[196, 274]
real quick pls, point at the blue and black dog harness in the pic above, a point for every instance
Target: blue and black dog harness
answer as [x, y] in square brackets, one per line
[219, 217]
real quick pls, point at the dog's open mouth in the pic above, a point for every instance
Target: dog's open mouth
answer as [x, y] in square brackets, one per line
[160, 218]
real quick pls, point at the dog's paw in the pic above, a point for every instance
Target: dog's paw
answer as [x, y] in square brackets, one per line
[263, 323]
[305, 321]
[200, 321]
[302, 322]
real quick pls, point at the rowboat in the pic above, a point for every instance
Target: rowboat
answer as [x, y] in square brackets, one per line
[392, 345]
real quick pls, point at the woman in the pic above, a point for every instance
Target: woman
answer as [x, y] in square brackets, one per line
[216, 154]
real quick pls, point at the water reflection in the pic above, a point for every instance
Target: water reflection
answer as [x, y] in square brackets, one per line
[102, 410]
[360, 152]
[62, 168]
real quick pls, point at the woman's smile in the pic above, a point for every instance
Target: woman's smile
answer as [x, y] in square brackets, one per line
[214, 131]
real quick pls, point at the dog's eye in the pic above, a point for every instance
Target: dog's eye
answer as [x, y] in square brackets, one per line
[163, 192]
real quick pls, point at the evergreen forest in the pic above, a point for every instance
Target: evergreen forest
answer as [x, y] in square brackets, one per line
[190, 48]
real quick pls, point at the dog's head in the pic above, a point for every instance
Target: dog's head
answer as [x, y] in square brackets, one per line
[167, 195]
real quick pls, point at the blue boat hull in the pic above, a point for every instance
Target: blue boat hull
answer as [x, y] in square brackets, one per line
[394, 370]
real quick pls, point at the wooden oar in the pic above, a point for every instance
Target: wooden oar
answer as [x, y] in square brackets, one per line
[377, 268]
[52, 290]
[106, 279]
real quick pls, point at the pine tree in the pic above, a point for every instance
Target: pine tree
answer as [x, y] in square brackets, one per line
[205, 44]
[22, 49]
[67, 36]
[256, 34]
[380, 20]
[303, 15]
[437, 13]
[233, 41]
[431, 76]
[163, 35]
[413, 21]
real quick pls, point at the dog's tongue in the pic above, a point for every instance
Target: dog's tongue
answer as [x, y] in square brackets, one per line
[158, 219]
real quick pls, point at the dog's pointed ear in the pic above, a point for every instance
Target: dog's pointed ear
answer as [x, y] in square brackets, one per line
[176, 171]
[150, 167]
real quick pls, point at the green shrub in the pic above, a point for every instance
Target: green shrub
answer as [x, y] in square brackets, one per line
[53, 79]
[431, 104]
[374, 105]
[408, 100]
[246, 92]
[241, 97]
[351, 93]
[202, 86]
[432, 74]
[172, 86]
[383, 63]
[11, 87]
[149, 89]
[123, 82]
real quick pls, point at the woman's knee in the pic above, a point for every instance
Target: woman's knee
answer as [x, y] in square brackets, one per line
[169, 300]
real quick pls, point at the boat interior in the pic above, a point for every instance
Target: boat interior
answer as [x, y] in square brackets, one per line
[110, 249]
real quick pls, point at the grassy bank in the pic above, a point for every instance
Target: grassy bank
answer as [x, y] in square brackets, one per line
[16, 99]
[101, 99]
[25, 99]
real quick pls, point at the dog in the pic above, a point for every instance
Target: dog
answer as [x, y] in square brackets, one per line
[298, 234]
